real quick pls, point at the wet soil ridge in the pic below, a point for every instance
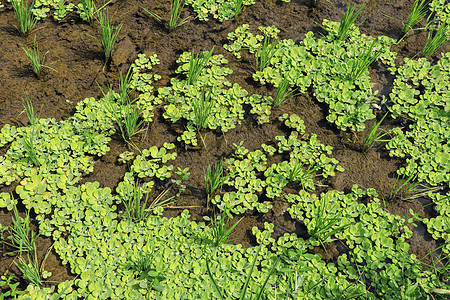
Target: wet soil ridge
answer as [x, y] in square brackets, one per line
[224, 149]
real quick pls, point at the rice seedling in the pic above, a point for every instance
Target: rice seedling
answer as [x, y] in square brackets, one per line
[418, 11]
[348, 21]
[362, 62]
[283, 92]
[202, 108]
[405, 188]
[244, 292]
[31, 271]
[28, 143]
[371, 136]
[324, 217]
[29, 110]
[21, 237]
[220, 230]
[37, 63]
[214, 178]
[137, 210]
[238, 6]
[109, 34]
[436, 40]
[125, 87]
[27, 21]
[265, 54]
[88, 10]
[296, 173]
[127, 118]
[196, 65]
[176, 7]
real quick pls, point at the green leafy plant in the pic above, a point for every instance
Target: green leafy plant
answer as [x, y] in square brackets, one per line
[6, 282]
[24, 15]
[37, 63]
[196, 64]
[347, 25]
[244, 291]
[220, 230]
[264, 54]
[109, 34]
[436, 40]
[176, 7]
[283, 92]
[365, 59]
[371, 136]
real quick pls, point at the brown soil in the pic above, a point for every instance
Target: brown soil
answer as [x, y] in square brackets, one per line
[78, 62]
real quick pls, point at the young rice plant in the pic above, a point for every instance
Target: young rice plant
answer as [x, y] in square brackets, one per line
[371, 136]
[27, 21]
[214, 178]
[176, 7]
[264, 54]
[435, 41]
[196, 65]
[37, 63]
[348, 20]
[109, 34]
[418, 11]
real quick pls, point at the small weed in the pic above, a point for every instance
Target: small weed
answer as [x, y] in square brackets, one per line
[24, 15]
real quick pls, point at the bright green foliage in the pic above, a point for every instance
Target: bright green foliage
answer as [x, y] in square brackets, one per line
[347, 24]
[37, 62]
[425, 143]
[220, 231]
[250, 176]
[219, 9]
[21, 237]
[109, 34]
[337, 71]
[436, 40]
[58, 8]
[418, 11]
[176, 8]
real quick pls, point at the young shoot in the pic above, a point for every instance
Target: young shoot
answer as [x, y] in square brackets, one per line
[283, 93]
[29, 143]
[128, 119]
[362, 62]
[37, 63]
[296, 174]
[125, 87]
[220, 230]
[264, 54]
[176, 7]
[418, 11]
[29, 110]
[348, 21]
[405, 188]
[202, 108]
[27, 21]
[238, 6]
[196, 65]
[31, 271]
[21, 237]
[214, 178]
[435, 41]
[109, 34]
[371, 136]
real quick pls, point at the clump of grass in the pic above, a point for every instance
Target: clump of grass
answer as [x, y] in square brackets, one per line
[31, 271]
[265, 54]
[29, 110]
[21, 237]
[27, 21]
[283, 93]
[88, 8]
[371, 136]
[197, 63]
[37, 62]
[214, 178]
[348, 20]
[437, 39]
[176, 7]
[361, 63]
[125, 87]
[406, 188]
[128, 118]
[109, 34]
[221, 232]
[29, 143]
[238, 6]
[418, 11]
[202, 108]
